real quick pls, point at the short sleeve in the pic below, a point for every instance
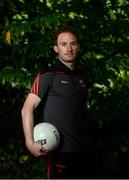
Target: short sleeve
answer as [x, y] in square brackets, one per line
[41, 85]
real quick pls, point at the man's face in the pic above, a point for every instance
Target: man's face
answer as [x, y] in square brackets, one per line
[67, 47]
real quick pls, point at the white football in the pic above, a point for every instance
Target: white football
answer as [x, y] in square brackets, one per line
[47, 135]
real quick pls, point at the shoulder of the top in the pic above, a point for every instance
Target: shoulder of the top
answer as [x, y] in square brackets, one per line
[48, 72]
[82, 71]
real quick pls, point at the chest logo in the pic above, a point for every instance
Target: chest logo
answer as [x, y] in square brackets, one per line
[82, 83]
[64, 82]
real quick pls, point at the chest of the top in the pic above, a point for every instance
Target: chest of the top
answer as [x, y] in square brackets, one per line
[69, 85]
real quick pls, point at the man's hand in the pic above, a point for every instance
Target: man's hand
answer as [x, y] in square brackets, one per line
[36, 149]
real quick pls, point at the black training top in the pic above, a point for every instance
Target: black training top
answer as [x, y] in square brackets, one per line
[64, 93]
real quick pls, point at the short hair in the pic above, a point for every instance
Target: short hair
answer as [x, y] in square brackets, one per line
[63, 29]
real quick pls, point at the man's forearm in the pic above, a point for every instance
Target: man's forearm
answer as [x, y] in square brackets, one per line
[28, 122]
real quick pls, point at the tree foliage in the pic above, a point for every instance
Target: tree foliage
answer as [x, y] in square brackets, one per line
[26, 47]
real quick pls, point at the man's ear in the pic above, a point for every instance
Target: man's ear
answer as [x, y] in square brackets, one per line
[79, 48]
[55, 48]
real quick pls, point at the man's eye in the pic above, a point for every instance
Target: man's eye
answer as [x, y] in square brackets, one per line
[74, 43]
[63, 44]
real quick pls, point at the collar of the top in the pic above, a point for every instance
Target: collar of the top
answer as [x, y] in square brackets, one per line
[61, 67]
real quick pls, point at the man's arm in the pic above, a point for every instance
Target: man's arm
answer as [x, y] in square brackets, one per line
[27, 113]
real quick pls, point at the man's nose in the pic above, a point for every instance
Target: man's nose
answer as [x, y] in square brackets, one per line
[69, 47]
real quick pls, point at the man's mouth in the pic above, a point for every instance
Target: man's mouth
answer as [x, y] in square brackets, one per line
[69, 54]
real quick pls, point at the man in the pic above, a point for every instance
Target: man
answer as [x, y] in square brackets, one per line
[63, 89]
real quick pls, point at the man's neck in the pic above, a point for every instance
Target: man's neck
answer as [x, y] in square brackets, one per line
[70, 65]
